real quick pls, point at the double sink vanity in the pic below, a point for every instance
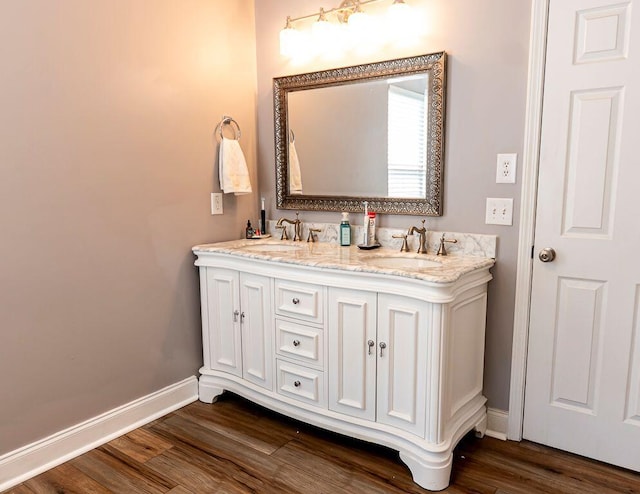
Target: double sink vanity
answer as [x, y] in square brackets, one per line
[382, 345]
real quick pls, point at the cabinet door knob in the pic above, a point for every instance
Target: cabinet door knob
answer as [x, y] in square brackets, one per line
[236, 313]
[242, 317]
[370, 344]
[383, 345]
[297, 384]
[296, 301]
[296, 342]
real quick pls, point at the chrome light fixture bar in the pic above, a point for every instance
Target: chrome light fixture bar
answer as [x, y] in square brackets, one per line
[353, 27]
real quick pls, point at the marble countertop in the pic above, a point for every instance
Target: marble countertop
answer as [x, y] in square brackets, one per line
[427, 267]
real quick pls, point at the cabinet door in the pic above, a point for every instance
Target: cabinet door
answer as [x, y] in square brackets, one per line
[403, 328]
[257, 329]
[223, 306]
[352, 361]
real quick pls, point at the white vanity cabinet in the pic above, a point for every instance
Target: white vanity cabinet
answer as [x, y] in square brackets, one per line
[371, 353]
[237, 324]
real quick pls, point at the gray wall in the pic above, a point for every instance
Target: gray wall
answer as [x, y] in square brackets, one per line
[487, 46]
[106, 155]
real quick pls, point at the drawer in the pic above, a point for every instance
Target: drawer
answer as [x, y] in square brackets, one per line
[299, 300]
[301, 383]
[300, 342]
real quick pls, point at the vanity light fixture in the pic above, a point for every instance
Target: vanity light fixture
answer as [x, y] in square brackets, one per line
[344, 27]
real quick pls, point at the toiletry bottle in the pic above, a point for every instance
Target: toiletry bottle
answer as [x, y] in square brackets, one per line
[371, 230]
[263, 219]
[365, 225]
[345, 230]
[249, 230]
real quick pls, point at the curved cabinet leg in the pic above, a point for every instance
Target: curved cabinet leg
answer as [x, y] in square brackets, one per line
[431, 473]
[207, 392]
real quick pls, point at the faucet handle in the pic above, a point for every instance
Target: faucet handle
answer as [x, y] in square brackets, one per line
[442, 251]
[405, 246]
[284, 235]
[312, 231]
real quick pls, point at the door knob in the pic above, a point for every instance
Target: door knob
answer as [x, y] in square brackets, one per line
[547, 254]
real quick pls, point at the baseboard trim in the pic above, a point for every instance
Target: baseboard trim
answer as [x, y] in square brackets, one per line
[35, 458]
[497, 423]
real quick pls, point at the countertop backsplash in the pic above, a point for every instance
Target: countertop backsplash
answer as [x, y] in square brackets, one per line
[469, 244]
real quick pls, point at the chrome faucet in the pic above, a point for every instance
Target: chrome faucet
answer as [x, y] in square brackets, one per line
[297, 228]
[423, 237]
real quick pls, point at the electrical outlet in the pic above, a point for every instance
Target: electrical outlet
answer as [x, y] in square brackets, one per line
[216, 203]
[499, 211]
[506, 168]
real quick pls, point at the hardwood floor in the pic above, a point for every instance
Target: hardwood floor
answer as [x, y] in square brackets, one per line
[235, 447]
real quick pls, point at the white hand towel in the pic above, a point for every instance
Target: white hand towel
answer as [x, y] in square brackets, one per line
[232, 168]
[295, 176]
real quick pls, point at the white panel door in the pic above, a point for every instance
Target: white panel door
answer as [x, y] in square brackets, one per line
[352, 352]
[583, 368]
[223, 306]
[402, 366]
[257, 329]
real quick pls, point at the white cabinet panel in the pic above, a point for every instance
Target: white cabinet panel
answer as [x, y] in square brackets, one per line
[223, 307]
[352, 360]
[257, 328]
[402, 363]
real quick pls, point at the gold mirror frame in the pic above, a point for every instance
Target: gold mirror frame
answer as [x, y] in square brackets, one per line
[432, 64]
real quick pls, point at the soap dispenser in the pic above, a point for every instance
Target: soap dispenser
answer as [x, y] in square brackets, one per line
[345, 230]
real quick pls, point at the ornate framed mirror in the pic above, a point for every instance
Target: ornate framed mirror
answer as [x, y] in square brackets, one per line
[371, 132]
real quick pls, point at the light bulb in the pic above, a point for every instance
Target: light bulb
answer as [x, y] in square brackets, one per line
[358, 25]
[400, 20]
[288, 38]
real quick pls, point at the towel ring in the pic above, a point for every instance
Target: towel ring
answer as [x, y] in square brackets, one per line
[229, 121]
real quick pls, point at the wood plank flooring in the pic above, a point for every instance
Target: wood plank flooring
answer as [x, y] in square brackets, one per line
[234, 447]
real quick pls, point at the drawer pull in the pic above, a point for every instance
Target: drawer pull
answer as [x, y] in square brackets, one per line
[297, 384]
[371, 344]
[383, 345]
[296, 342]
[296, 301]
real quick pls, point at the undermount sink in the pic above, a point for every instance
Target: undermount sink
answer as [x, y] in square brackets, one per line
[403, 262]
[271, 247]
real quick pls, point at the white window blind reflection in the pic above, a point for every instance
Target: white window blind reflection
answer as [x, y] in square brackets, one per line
[407, 167]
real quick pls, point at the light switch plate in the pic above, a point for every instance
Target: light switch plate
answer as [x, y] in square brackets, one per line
[506, 168]
[499, 211]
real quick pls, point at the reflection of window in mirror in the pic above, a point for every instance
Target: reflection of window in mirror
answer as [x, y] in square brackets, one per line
[407, 156]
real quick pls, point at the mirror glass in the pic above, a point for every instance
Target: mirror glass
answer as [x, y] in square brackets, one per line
[371, 132]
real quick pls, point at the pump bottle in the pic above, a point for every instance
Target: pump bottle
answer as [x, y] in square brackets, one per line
[345, 230]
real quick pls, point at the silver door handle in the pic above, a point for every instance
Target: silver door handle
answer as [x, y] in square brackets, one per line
[236, 313]
[370, 344]
[383, 345]
[547, 254]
